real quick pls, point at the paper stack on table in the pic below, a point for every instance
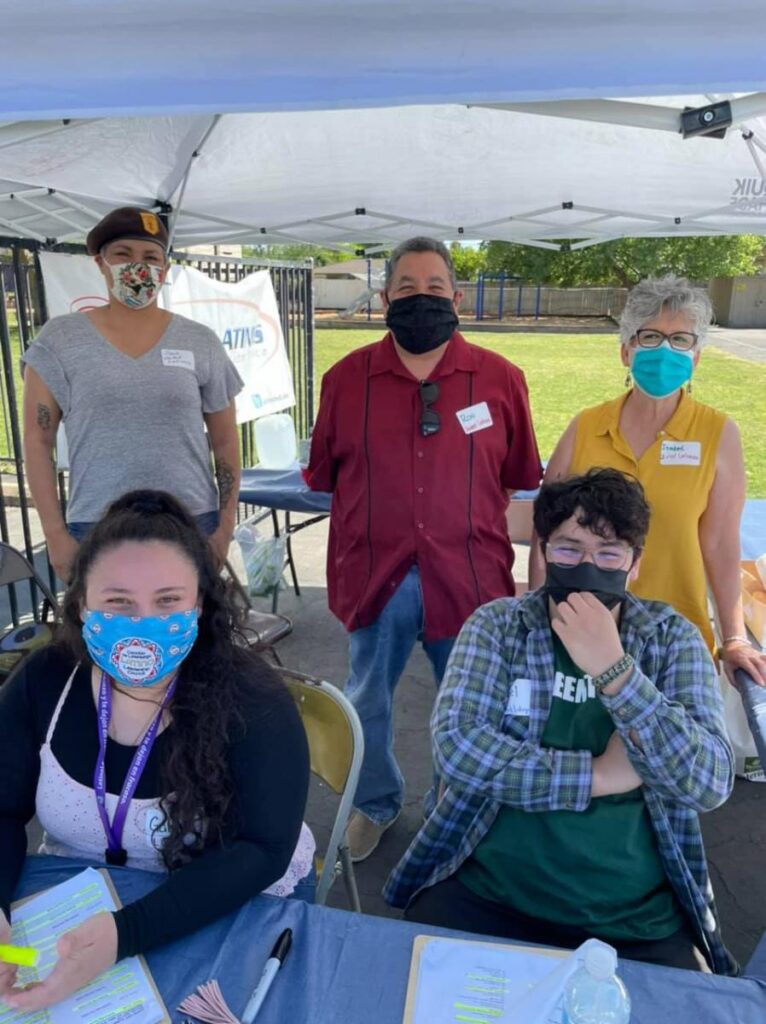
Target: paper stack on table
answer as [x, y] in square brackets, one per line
[124, 992]
[455, 981]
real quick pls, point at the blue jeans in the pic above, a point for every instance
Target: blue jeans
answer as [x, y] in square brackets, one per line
[207, 522]
[378, 655]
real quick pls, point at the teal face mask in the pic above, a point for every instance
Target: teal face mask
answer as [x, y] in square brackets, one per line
[658, 372]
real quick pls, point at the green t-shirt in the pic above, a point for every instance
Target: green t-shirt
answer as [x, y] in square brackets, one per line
[597, 869]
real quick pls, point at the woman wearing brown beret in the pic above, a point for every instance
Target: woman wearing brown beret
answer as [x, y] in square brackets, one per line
[136, 387]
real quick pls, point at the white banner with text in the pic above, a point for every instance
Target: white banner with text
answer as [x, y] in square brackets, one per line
[244, 315]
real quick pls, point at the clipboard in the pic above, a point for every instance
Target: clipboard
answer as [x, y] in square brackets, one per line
[421, 941]
[143, 965]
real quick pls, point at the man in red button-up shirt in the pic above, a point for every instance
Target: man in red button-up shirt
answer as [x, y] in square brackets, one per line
[420, 437]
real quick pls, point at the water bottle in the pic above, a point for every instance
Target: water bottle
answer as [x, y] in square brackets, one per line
[275, 441]
[594, 994]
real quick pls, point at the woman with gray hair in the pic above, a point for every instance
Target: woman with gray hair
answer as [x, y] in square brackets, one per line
[688, 457]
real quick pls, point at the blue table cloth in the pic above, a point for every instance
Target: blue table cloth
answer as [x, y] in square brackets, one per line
[283, 489]
[349, 968]
[753, 528]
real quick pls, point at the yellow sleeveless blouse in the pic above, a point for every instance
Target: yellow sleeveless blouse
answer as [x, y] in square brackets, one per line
[677, 473]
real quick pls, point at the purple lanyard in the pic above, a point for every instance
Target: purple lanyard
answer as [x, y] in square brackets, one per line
[114, 853]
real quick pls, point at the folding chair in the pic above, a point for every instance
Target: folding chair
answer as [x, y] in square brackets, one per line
[18, 641]
[260, 630]
[336, 747]
[519, 519]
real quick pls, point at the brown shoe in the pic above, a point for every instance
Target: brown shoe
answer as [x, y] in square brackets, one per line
[364, 835]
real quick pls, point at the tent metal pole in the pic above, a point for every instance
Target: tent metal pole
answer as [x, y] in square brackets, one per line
[622, 112]
[181, 188]
[50, 213]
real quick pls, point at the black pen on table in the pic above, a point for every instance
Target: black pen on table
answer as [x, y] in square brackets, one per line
[276, 959]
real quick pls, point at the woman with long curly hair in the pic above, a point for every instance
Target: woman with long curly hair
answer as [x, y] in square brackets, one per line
[147, 736]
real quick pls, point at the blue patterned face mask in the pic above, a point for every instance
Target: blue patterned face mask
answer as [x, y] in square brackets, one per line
[139, 651]
[658, 372]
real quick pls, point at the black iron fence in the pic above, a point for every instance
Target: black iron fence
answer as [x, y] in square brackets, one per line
[22, 313]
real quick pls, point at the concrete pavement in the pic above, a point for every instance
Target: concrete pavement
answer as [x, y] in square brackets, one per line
[746, 343]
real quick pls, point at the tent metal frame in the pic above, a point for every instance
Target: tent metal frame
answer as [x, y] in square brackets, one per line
[28, 210]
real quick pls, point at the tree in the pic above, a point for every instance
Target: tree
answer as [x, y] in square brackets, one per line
[468, 261]
[298, 251]
[627, 260]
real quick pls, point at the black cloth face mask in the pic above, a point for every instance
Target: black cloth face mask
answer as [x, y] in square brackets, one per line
[608, 585]
[421, 323]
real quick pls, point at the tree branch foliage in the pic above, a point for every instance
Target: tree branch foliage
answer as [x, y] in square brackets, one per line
[627, 260]
[621, 262]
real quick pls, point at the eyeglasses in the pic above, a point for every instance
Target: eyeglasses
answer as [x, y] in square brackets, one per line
[682, 341]
[605, 558]
[429, 418]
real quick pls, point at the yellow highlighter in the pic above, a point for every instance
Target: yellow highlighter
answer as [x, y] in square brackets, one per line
[24, 956]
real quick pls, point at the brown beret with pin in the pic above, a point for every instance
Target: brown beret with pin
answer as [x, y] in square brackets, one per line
[127, 222]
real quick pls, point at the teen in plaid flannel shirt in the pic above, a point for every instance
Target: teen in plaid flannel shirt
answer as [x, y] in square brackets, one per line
[665, 708]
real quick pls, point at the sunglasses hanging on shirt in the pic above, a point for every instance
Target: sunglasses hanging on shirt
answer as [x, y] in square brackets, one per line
[430, 421]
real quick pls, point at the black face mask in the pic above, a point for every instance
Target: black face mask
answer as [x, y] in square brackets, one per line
[421, 323]
[608, 585]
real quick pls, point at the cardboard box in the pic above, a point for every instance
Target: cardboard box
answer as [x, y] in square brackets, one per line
[754, 602]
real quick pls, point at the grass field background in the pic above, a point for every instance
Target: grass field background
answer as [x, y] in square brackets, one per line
[569, 372]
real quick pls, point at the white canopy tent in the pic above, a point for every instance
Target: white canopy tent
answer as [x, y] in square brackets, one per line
[99, 111]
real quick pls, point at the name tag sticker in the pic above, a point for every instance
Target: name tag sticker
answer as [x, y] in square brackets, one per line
[474, 417]
[520, 699]
[178, 357]
[680, 453]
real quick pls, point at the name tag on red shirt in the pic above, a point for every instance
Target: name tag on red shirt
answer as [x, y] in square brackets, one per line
[474, 417]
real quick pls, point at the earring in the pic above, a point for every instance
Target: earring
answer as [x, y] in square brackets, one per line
[628, 379]
[689, 387]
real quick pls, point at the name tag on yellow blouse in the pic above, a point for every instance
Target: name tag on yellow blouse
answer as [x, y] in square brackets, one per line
[680, 453]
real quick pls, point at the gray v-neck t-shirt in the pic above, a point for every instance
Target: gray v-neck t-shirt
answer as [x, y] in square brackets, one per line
[135, 422]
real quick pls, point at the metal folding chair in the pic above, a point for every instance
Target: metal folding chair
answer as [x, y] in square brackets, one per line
[260, 630]
[21, 639]
[14, 568]
[336, 747]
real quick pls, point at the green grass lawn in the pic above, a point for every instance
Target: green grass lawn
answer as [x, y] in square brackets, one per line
[569, 372]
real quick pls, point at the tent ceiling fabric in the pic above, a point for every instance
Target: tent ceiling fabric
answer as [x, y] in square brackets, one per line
[279, 121]
[86, 58]
[449, 171]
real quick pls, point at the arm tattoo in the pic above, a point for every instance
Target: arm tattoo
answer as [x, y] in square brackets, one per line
[225, 478]
[43, 417]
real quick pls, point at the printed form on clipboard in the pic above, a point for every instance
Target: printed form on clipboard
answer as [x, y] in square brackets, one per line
[124, 992]
[455, 981]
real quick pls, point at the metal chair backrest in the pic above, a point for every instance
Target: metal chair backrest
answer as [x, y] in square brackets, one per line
[336, 748]
[14, 568]
[332, 728]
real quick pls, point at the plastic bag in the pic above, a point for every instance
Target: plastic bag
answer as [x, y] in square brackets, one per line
[747, 763]
[264, 559]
